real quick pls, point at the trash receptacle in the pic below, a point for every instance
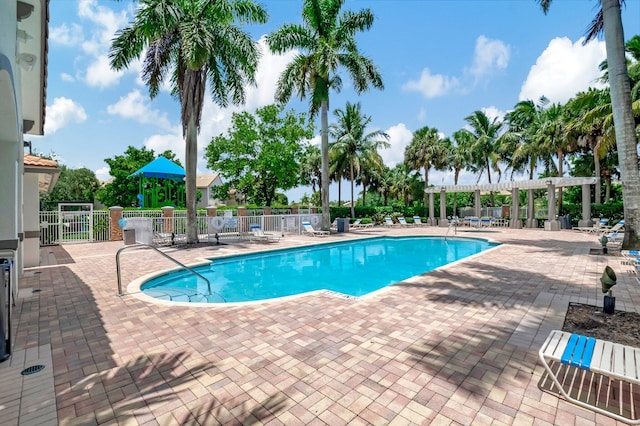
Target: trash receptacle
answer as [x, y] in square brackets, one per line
[129, 236]
[343, 224]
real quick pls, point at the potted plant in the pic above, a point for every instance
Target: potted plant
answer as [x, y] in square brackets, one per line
[608, 280]
[603, 241]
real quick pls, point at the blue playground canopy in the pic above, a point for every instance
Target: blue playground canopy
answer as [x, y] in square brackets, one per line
[161, 168]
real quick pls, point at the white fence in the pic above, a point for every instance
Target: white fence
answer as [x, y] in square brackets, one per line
[55, 229]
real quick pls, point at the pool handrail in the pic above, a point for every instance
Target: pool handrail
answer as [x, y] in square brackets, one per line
[143, 245]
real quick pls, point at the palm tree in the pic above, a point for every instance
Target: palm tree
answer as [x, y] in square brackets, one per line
[427, 149]
[310, 167]
[609, 20]
[382, 182]
[483, 146]
[371, 170]
[192, 43]
[352, 145]
[459, 159]
[401, 183]
[326, 40]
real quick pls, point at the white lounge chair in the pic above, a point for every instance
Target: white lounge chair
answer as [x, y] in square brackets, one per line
[485, 222]
[260, 235]
[388, 222]
[359, 225]
[418, 222]
[403, 222]
[307, 229]
[608, 230]
[600, 224]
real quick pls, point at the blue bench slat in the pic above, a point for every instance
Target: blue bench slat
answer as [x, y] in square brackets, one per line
[579, 351]
[585, 362]
[569, 349]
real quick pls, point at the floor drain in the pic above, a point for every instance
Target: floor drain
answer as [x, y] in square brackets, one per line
[32, 370]
[37, 290]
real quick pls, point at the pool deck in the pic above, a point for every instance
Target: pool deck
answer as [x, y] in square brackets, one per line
[454, 346]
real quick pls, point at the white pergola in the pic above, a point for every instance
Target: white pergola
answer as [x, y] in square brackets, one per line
[550, 184]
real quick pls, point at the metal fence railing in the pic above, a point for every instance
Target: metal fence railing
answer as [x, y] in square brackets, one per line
[225, 224]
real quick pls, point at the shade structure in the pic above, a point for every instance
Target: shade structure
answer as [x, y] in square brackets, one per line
[161, 168]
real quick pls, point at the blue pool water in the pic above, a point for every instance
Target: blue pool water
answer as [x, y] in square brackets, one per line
[354, 268]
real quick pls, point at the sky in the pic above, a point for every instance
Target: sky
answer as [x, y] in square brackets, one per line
[440, 61]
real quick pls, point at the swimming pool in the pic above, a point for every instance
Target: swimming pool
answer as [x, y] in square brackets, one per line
[354, 268]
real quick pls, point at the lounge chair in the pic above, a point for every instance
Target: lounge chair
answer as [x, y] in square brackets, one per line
[403, 222]
[630, 253]
[600, 358]
[474, 221]
[485, 222]
[418, 222]
[388, 222]
[334, 225]
[260, 235]
[359, 225]
[600, 224]
[615, 228]
[307, 229]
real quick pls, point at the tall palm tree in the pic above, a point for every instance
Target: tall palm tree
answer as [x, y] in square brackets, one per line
[609, 20]
[483, 135]
[401, 183]
[326, 40]
[310, 167]
[459, 159]
[427, 149]
[353, 145]
[193, 43]
[372, 168]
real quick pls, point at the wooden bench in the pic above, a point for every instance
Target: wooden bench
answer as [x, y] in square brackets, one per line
[609, 359]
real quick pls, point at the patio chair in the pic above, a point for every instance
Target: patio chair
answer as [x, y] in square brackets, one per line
[403, 222]
[485, 222]
[418, 222]
[359, 225]
[334, 225]
[307, 229]
[600, 224]
[260, 235]
[630, 253]
[474, 222]
[389, 223]
[615, 228]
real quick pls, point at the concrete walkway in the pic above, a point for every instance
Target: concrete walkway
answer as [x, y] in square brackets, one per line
[454, 346]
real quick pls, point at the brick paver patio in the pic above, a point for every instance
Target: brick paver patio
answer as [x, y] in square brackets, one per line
[454, 346]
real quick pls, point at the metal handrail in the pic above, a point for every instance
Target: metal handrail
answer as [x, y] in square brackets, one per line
[143, 245]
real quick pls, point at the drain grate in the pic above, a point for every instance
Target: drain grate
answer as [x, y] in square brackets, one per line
[37, 290]
[32, 370]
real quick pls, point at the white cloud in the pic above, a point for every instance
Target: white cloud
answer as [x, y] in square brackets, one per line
[493, 112]
[103, 173]
[62, 112]
[422, 115]
[67, 77]
[135, 107]
[99, 73]
[432, 85]
[564, 69]
[399, 138]
[65, 35]
[161, 143]
[489, 55]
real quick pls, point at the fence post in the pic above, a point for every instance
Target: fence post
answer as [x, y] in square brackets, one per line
[115, 231]
[294, 210]
[242, 223]
[167, 215]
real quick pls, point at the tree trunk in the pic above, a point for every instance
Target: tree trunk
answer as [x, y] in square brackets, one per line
[353, 214]
[623, 119]
[191, 160]
[491, 195]
[597, 172]
[456, 175]
[324, 147]
[426, 185]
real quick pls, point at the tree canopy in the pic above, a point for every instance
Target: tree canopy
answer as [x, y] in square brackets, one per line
[73, 186]
[123, 190]
[261, 153]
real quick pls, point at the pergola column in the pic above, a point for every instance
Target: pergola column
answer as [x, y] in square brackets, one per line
[586, 206]
[443, 209]
[532, 222]
[515, 209]
[432, 214]
[477, 204]
[551, 224]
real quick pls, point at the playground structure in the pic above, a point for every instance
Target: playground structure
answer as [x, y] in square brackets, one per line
[161, 184]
